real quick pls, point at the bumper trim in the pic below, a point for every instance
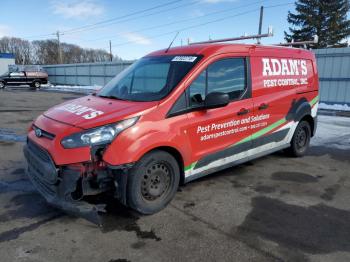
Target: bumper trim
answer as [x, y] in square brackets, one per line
[58, 194]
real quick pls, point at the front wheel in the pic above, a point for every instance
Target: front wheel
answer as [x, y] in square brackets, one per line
[301, 140]
[153, 182]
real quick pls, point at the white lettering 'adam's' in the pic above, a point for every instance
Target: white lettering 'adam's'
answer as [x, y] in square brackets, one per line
[284, 67]
[79, 110]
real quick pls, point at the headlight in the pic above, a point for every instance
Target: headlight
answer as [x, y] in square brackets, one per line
[97, 136]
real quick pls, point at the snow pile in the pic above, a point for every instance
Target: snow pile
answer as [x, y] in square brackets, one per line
[69, 88]
[333, 132]
[337, 107]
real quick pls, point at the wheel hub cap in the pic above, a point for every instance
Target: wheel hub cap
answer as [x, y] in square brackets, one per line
[301, 138]
[155, 182]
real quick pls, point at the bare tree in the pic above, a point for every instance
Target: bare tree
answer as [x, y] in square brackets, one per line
[21, 48]
[46, 52]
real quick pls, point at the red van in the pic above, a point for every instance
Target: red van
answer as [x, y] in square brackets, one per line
[173, 116]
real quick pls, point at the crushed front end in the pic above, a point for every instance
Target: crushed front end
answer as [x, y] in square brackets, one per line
[68, 186]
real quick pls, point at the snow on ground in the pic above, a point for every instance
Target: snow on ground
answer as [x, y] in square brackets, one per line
[69, 88]
[338, 107]
[332, 132]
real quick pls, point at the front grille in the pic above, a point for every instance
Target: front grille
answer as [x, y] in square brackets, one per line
[45, 133]
[47, 190]
[41, 163]
[38, 151]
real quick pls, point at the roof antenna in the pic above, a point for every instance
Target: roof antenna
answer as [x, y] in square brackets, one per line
[166, 51]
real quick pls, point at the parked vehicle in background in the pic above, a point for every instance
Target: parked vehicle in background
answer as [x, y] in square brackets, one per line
[33, 76]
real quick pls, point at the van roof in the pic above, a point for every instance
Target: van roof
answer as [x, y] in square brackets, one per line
[244, 49]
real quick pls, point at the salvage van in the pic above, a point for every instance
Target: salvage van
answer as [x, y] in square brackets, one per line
[173, 116]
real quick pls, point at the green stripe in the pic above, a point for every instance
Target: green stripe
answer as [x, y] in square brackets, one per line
[187, 168]
[260, 132]
[249, 138]
[314, 101]
[268, 128]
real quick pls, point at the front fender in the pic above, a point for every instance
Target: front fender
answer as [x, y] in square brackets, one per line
[124, 150]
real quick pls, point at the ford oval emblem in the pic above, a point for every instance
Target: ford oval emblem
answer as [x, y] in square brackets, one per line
[38, 132]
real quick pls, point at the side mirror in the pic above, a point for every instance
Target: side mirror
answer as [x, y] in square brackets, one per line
[216, 100]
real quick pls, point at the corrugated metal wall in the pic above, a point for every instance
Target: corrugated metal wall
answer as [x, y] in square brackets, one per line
[334, 73]
[86, 74]
[333, 66]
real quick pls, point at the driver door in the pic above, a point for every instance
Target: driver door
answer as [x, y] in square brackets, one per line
[16, 78]
[218, 135]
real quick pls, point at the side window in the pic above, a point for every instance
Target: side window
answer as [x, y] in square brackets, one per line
[198, 90]
[227, 76]
[17, 74]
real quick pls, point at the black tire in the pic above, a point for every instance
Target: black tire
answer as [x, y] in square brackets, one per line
[301, 140]
[153, 182]
[2, 84]
[36, 84]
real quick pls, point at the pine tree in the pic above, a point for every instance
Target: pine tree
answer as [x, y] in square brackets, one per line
[324, 18]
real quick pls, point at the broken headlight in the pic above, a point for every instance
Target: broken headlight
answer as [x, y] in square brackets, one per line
[97, 136]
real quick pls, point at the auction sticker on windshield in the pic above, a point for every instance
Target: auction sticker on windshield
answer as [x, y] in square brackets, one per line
[189, 59]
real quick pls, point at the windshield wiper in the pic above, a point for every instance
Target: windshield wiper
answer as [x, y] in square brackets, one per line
[112, 97]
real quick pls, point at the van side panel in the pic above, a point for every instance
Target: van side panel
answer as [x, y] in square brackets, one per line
[286, 90]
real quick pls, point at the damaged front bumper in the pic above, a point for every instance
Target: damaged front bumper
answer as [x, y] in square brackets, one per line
[65, 187]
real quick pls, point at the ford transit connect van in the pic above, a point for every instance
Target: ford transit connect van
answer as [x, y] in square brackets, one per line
[173, 116]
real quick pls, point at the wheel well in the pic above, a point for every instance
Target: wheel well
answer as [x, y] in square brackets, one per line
[311, 122]
[176, 154]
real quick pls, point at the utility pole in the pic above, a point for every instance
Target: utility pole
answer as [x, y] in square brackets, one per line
[260, 22]
[59, 47]
[110, 50]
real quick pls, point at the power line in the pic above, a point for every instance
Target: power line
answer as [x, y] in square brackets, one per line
[39, 36]
[191, 27]
[206, 23]
[179, 21]
[109, 20]
[134, 18]
[86, 27]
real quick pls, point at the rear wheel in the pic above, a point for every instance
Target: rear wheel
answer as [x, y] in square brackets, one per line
[153, 182]
[301, 140]
[2, 84]
[36, 84]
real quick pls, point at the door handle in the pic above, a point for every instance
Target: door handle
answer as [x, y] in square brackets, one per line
[243, 111]
[263, 106]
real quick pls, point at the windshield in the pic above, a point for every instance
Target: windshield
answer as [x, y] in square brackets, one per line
[150, 78]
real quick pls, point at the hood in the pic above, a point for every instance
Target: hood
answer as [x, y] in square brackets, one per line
[92, 111]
